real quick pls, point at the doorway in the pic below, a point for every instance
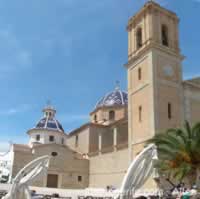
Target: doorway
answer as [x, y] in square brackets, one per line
[52, 181]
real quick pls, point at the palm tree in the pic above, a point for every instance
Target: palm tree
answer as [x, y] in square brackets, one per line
[179, 153]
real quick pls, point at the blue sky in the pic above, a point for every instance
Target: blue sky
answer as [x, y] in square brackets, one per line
[71, 52]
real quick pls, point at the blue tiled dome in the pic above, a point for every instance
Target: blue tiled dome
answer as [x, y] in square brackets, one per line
[116, 97]
[49, 123]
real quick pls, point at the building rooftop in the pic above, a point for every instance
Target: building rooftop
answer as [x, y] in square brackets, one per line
[49, 122]
[116, 97]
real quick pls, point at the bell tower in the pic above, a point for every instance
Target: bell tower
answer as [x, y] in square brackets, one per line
[154, 74]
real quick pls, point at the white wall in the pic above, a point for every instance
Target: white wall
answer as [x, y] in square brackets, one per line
[44, 137]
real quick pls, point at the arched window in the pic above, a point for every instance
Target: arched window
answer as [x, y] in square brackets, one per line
[140, 113]
[95, 118]
[111, 115]
[139, 73]
[139, 38]
[169, 111]
[38, 137]
[165, 39]
[76, 141]
[51, 138]
[62, 140]
[79, 178]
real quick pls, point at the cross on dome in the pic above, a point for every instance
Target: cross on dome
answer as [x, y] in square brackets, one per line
[117, 87]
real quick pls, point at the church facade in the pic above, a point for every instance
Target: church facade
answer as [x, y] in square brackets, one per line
[98, 153]
[84, 157]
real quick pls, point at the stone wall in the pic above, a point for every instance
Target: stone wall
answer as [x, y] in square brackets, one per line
[94, 139]
[102, 114]
[82, 144]
[68, 165]
[108, 169]
[109, 163]
[192, 102]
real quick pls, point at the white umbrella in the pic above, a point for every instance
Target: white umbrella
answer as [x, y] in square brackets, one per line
[139, 171]
[26, 176]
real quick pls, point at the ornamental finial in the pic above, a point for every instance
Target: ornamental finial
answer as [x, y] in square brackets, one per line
[117, 85]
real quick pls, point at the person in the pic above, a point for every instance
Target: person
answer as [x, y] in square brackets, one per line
[193, 191]
[108, 188]
[175, 192]
[186, 194]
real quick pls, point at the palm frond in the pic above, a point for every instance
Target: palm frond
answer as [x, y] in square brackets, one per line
[178, 151]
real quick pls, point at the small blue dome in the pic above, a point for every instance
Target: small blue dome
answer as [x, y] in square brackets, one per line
[49, 122]
[114, 98]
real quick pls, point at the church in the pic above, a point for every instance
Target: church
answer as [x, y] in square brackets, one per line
[98, 153]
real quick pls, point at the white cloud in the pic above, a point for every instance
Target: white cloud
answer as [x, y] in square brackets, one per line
[15, 110]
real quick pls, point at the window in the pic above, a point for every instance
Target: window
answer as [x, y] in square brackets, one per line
[62, 141]
[169, 111]
[139, 73]
[140, 113]
[51, 138]
[95, 118]
[54, 154]
[79, 178]
[139, 38]
[76, 141]
[111, 115]
[164, 32]
[37, 137]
